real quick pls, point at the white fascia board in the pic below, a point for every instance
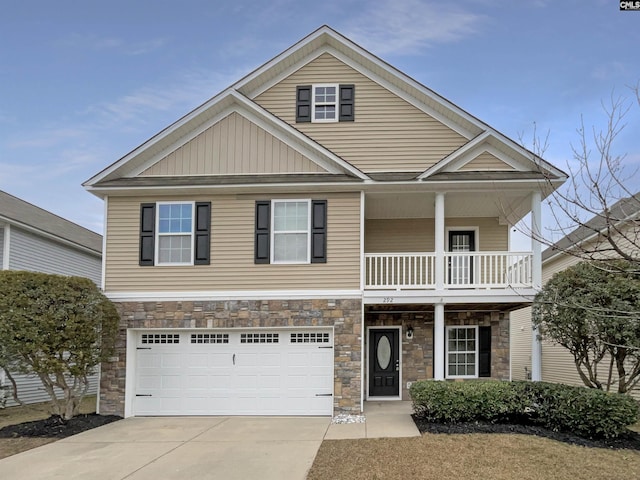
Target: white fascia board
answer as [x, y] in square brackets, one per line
[446, 297]
[453, 156]
[478, 150]
[232, 295]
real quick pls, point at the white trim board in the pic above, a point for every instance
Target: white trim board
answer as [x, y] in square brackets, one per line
[233, 295]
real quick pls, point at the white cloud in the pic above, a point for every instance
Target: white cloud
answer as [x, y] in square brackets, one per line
[404, 26]
[47, 138]
[175, 98]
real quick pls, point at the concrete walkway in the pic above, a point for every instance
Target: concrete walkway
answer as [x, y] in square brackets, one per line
[168, 448]
[383, 419]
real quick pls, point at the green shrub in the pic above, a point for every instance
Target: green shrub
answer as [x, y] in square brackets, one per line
[586, 412]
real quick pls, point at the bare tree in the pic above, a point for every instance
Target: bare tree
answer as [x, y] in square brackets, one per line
[597, 212]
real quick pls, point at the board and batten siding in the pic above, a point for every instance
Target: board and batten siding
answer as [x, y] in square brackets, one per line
[232, 250]
[233, 146]
[388, 134]
[31, 252]
[485, 162]
[418, 234]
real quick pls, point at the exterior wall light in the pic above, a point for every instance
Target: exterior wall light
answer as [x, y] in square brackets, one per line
[409, 332]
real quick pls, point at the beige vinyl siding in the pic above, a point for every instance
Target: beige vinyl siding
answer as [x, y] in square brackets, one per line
[418, 234]
[485, 162]
[399, 235]
[388, 133]
[232, 250]
[233, 146]
[520, 333]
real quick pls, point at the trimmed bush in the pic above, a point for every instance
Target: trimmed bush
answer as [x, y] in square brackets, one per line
[585, 412]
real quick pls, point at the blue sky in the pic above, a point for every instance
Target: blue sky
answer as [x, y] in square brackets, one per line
[84, 82]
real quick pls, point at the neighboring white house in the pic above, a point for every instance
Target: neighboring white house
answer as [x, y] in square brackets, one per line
[34, 239]
[556, 364]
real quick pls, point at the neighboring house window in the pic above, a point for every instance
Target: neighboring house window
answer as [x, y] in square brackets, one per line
[291, 231]
[175, 233]
[325, 103]
[468, 352]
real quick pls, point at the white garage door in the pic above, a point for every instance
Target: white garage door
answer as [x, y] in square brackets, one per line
[262, 372]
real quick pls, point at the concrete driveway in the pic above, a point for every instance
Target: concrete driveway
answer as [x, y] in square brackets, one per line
[178, 448]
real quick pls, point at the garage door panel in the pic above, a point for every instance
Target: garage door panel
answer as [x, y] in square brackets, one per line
[235, 373]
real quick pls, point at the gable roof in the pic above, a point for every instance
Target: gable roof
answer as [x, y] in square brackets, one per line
[15, 211]
[324, 40]
[625, 209]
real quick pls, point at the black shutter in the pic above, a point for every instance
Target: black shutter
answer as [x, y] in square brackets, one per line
[318, 231]
[147, 233]
[202, 230]
[303, 103]
[263, 222]
[347, 96]
[484, 346]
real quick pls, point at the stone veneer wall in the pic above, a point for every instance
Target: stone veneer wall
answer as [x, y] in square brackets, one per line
[417, 353]
[344, 315]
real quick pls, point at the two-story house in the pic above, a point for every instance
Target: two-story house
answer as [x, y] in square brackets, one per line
[325, 231]
[35, 239]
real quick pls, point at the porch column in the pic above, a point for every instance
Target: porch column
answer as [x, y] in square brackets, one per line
[439, 241]
[438, 342]
[536, 248]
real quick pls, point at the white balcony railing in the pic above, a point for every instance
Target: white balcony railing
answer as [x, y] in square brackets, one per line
[400, 271]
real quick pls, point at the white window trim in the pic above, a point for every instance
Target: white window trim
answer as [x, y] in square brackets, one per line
[446, 366]
[158, 234]
[272, 232]
[335, 104]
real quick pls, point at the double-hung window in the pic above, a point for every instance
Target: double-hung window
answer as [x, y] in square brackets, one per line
[290, 231]
[462, 352]
[175, 233]
[325, 101]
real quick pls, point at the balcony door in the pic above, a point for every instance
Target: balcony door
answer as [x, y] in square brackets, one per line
[460, 267]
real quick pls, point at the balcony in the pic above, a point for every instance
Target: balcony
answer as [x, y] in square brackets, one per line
[468, 270]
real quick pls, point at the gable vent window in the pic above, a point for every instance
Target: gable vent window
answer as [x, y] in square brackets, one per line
[323, 103]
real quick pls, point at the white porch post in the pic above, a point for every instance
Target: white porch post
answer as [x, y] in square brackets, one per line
[536, 247]
[439, 240]
[438, 324]
[438, 342]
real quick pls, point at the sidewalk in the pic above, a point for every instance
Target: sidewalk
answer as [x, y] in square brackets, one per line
[383, 419]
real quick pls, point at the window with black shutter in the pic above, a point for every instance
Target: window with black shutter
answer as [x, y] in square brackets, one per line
[175, 233]
[290, 231]
[325, 103]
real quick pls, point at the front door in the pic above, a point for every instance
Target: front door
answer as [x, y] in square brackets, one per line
[461, 266]
[384, 362]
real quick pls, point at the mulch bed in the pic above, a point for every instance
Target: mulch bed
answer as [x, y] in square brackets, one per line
[630, 440]
[55, 427]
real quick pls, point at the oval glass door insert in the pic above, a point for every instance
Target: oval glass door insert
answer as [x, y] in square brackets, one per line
[384, 352]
